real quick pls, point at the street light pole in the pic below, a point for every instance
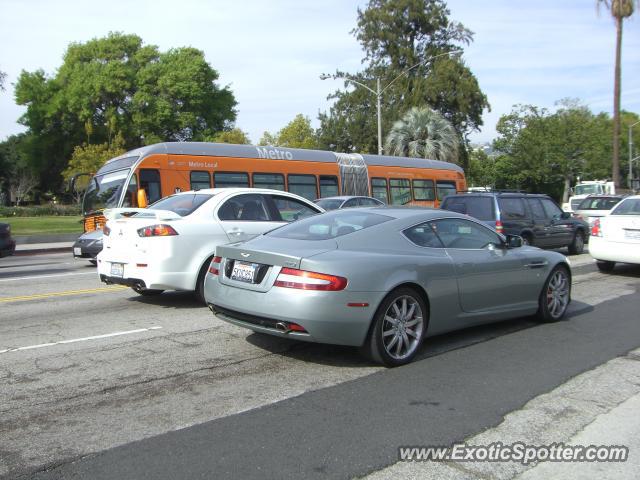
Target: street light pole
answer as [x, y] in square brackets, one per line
[631, 159]
[378, 92]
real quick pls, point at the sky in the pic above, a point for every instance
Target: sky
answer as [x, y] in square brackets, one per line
[272, 53]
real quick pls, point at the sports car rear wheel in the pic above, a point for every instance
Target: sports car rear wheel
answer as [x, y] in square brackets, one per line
[398, 328]
[555, 296]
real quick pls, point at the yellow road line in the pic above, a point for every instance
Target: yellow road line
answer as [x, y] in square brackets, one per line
[113, 288]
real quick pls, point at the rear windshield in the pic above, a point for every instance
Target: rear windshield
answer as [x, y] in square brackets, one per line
[183, 205]
[329, 204]
[329, 225]
[627, 207]
[598, 203]
[477, 207]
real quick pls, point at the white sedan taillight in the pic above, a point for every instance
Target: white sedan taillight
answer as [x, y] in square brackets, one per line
[596, 229]
[214, 268]
[303, 280]
[157, 231]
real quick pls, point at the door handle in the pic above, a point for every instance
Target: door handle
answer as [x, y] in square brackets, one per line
[235, 231]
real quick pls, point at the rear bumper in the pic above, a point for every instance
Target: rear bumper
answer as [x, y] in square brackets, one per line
[129, 282]
[153, 277]
[324, 315]
[602, 249]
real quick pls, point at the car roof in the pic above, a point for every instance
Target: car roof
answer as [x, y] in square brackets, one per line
[408, 211]
[343, 197]
[500, 194]
[230, 190]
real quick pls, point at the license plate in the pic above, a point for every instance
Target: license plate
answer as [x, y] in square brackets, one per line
[117, 269]
[77, 251]
[244, 272]
[632, 234]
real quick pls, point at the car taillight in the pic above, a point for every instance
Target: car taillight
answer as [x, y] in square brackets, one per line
[499, 227]
[596, 231]
[303, 280]
[157, 231]
[106, 231]
[214, 268]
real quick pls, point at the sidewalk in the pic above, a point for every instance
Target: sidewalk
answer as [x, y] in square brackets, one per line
[33, 248]
[598, 407]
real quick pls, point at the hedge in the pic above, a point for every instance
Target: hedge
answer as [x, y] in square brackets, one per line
[41, 211]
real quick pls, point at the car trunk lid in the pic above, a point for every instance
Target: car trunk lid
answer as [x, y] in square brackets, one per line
[621, 228]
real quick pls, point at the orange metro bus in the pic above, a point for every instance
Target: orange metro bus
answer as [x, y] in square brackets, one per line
[147, 174]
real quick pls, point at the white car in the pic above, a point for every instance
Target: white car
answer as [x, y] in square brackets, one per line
[616, 237]
[170, 244]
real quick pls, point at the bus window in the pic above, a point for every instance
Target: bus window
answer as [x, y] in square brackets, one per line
[328, 186]
[230, 179]
[423, 190]
[274, 181]
[131, 196]
[303, 185]
[400, 191]
[200, 180]
[150, 182]
[379, 189]
[445, 188]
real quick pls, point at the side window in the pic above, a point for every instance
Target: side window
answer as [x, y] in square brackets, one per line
[512, 208]
[368, 202]
[245, 208]
[400, 191]
[230, 179]
[423, 190]
[445, 188]
[536, 208]
[350, 203]
[551, 209]
[328, 186]
[461, 233]
[274, 181]
[150, 181]
[379, 189]
[131, 197]
[290, 209]
[423, 236]
[303, 185]
[200, 180]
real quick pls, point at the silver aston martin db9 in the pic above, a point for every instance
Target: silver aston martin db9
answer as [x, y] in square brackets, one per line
[382, 279]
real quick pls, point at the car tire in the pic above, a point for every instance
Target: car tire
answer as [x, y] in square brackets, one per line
[202, 275]
[576, 247]
[146, 292]
[397, 328]
[93, 262]
[605, 266]
[555, 295]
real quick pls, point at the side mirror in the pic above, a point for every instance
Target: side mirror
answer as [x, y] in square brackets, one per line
[565, 215]
[142, 198]
[514, 241]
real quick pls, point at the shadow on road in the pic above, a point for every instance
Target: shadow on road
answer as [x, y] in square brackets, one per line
[176, 300]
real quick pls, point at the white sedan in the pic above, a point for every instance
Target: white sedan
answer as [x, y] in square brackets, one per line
[616, 237]
[170, 245]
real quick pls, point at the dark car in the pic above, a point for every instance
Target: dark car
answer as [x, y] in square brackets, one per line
[88, 246]
[345, 201]
[535, 217]
[7, 244]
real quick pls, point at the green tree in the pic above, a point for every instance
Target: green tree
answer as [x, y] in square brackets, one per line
[3, 77]
[619, 9]
[482, 169]
[118, 86]
[396, 36]
[235, 136]
[296, 134]
[423, 133]
[542, 151]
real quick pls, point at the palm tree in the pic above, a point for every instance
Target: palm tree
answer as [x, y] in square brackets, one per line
[423, 133]
[620, 9]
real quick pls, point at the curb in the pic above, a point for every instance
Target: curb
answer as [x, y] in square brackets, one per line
[46, 238]
[36, 251]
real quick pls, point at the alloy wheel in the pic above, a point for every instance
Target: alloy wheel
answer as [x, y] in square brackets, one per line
[558, 293]
[402, 327]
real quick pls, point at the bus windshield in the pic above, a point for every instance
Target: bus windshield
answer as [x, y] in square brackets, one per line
[104, 191]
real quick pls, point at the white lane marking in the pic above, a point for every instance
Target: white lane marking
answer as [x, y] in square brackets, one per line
[46, 276]
[83, 339]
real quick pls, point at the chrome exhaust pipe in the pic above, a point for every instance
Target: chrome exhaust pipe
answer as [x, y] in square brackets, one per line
[282, 327]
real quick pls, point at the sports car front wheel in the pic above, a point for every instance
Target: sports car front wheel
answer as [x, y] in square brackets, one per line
[555, 296]
[398, 328]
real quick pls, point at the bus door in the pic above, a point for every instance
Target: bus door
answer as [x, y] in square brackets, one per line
[150, 182]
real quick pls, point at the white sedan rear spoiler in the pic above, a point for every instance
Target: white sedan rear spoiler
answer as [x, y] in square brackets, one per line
[116, 213]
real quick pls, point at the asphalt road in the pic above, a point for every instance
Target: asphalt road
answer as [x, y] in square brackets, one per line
[98, 382]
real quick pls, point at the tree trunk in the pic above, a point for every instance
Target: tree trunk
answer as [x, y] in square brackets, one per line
[567, 189]
[615, 163]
